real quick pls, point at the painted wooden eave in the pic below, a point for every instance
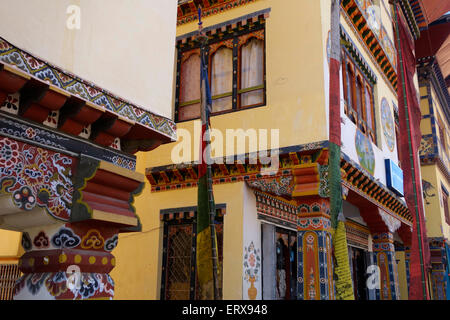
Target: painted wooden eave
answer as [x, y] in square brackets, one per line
[38, 98]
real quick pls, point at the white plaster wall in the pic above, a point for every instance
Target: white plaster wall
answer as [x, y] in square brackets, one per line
[252, 232]
[126, 47]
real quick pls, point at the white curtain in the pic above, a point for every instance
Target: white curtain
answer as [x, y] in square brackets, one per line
[222, 78]
[252, 72]
[190, 88]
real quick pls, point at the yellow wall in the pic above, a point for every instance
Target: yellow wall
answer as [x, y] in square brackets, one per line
[10, 246]
[295, 84]
[294, 77]
[402, 280]
[435, 216]
[137, 274]
[117, 47]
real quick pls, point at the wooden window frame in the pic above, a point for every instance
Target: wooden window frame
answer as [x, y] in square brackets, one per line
[236, 39]
[357, 113]
[445, 196]
[442, 136]
[193, 294]
[190, 54]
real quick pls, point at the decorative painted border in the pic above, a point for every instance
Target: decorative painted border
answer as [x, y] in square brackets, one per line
[363, 183]
[357, 234]
[187, 10]
[65, 80]
[39, 135]
[188, 212]
[370, 42]
[234, 169]
[276, 209]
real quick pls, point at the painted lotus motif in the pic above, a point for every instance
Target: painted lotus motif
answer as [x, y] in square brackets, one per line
[387, 122]
[36, 177]
[365, 152]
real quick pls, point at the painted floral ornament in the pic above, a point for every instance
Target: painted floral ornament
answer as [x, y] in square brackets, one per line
[387, 122]
[252, 264]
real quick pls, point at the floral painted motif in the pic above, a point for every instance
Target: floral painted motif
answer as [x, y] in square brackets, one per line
[9, 153]
[36, 177]
[65, 238]
[282, 185]
[41, 240]
[252, 266]
[387, 122]
[89, 285]
[35, 282]
[111, 243]
[11, 104]
[26, 241]
[365, 152]
[252, 262]
[92, 240]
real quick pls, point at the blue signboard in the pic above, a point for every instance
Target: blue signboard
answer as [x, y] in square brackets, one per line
[394, 177]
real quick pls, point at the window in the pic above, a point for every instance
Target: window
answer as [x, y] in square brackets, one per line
[445, 203]
[190, 90]
[9, 274]
[442, 135]
[236, 65]
[251, 87]
[222, 79]
[179, 260]
[358, 97]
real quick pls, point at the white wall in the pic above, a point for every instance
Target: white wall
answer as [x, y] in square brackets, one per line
[252, 234]
[125, 46]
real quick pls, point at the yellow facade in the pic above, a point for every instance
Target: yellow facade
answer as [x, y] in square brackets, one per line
[10, 246]
[296, 35]
[294, 49]
[434, 176]
[297, 82]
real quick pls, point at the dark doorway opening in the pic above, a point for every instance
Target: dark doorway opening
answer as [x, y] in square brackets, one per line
[358, 264]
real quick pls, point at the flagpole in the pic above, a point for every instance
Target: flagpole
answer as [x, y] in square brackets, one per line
[202, 38]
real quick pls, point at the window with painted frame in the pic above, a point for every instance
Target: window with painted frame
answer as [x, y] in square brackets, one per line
[236, 67]
[358, 96]
[444, 193]
[179, 268]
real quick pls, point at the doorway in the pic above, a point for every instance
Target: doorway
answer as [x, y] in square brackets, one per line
[358, 266]
[286, 264]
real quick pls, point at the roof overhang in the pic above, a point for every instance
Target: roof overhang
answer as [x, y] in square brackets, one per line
[44, 88]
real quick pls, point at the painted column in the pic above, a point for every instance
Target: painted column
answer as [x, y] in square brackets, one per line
[384, 256]
[315, 266]
[67, 261]
[407, 261]
[70, 211]
[438, 271]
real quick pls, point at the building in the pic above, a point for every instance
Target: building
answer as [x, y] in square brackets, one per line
[68, 174]
[432, 57]
[294, 145]
[274, 227]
